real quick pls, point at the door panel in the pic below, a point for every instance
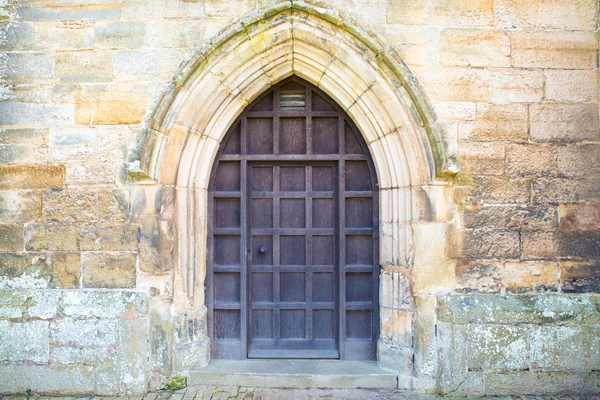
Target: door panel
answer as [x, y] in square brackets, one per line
[292, 246]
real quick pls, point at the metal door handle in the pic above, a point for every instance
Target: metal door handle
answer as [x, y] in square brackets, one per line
[262, 250]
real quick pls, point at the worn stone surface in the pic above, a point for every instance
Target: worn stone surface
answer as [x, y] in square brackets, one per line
[109, 270]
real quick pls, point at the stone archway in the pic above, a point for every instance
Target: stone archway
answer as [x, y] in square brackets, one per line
[376, 89]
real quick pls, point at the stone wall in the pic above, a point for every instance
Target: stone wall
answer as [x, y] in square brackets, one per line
[87, 241]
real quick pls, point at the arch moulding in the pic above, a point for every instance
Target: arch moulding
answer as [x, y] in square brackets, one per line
[372, 84]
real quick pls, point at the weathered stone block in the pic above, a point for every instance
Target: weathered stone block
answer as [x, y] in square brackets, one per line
[30, 66]
[579, 217]
[396, 358]
[455, 83]
[109, 270]
[396, 327]
[497, 347]
[525, 217]
[452, 343]
[83, 66]
[64, 35]
[497, 122]
[157, 243]
[571, 86]
[148, 9]
[31, 176]
[452, 12]
[85, 333]
[482, 158]
[556, 14]
[113, 205]
[49, 379]
[474, 48]
[146, 64]
[90, 174]
[579, 161]
[564, 122]
[187, 355]
[69, 205]
[24, 269]
[123, 103]
[12, 303]
[564, 348]
[539, 49]
[175, 33]
[530, 276]
[531, 159]
[25, 136]
[491, 243]
[11, 237]
[395, 289]
[66, 270]
[104, 304]
[510, 85]
[417, 45]
[500, 189]
[580, 277]
[119, 34]
[98, 11]
[540, 383]
[579, 244]
[17, 154]
[16, 36]
[51, 237]
[84, 355]
[516, 309]
[108, 237]
[133, 362]
[25, 341]
[456, 110]
[42, 304]
[20, 206]
[478, 276]
[13, 113]
[432, 271]
[565, 190]
[539, 244]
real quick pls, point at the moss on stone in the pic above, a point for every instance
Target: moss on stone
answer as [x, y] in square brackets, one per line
[179, 382]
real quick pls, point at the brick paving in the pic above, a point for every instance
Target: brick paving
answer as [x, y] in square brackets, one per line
[248, 393]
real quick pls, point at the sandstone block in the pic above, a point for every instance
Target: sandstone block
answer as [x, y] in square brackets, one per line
[497, 347]
[556, 14]
[491, 243]
[579, 161]
[148, 9]
[579, 217]
[119, 34]
[123, 103]
[417, 45]
[133, 338]
[32, 176]
[539, 49]
[565, 190]
[501, 190]
[531, 159]
[13, 113]
[580, 277]
[66, 270]
[99, 11]
[539, 383]
[539, 244]
[16, 36]
[516, 309]
[84, 355]
[510, 217]
[88, 333]
[11, 237]
[90, 174]
[58, 237]
[497, 122]
[478, 276]
[108, 237]
[73, 143]
[146, 64]
[113, 205]
[516, 86]
[157, 243]
[20, 206]
[25, 341]
[17, 154]
[456, 110]
[112, 141]
[564, 348]
[64, 35]
[83, 66]
[530, 276]
[564, 122]
[109, 270]
[42, 304]
[474, 48]
[571, 85]
[69, 205]
[31, 269]
[455, 83]
[395, 289]
[452, 12]
[396, 327]
[29, 66]
[51, 379]
[432, 271]
[12, 303]
[105, 304]
[25, 136]
[482, 158]
[579, 244]
[175, 33]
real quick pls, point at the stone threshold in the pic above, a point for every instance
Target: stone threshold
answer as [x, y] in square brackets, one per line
[298, 374]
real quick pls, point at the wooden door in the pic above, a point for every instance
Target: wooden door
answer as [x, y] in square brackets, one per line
[292, 263]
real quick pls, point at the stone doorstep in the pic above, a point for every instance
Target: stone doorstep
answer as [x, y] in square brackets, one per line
[298, 374]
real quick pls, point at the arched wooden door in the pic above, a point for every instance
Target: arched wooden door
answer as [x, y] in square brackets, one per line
[293, 223]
